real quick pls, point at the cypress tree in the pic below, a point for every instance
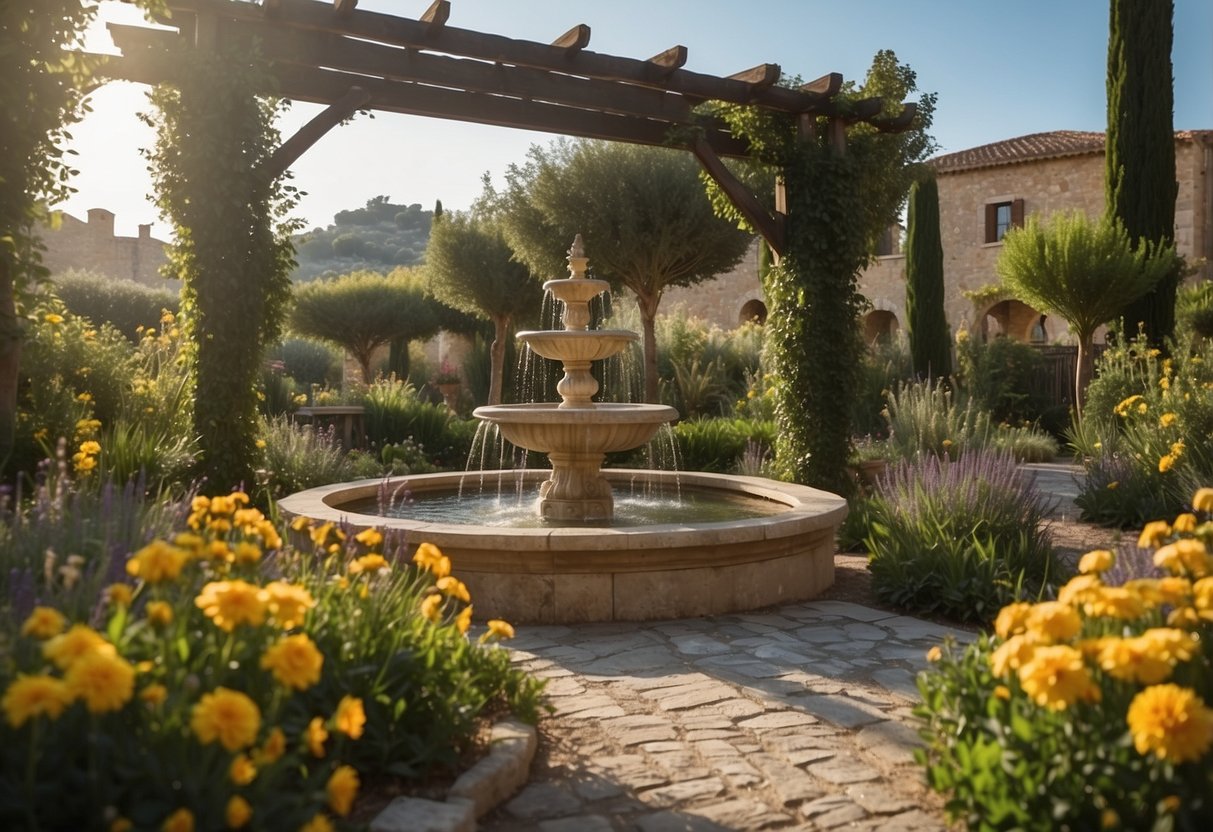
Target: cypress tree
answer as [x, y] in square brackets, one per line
[930, 339]
[1140, 181]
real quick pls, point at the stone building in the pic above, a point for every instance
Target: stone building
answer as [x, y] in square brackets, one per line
[92, 246]
[985, 190]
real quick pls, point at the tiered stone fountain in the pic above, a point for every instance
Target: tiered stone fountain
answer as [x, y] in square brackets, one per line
[573, 564]
[578, 433]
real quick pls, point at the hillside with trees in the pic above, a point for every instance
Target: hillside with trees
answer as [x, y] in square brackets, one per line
[378, 237]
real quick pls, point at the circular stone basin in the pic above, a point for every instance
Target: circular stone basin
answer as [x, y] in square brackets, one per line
[636, 573]
[603, 428]
[577, 345]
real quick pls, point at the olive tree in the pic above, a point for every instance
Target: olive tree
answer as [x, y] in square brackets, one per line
[1085, 271]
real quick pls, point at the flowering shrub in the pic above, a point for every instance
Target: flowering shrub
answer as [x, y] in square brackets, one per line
[233, 680]
[1092, 711]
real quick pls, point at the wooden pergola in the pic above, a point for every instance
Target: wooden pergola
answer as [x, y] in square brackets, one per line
[335, 54]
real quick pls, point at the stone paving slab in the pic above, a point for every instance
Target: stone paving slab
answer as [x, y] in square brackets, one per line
[797, 718]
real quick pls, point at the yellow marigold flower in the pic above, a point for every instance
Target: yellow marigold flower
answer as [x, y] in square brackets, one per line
[464, 620]
[1002, 692]
[454, 588]
[1202, 597]
[1109, 819]
[369, 537]
[300, 523]
[90, 447]
[429, 557]
[181, 820]
[223, 504]
[1095, 562]
[260, 443]
[1178, 448]
[154, 694]
[190, 541]
[103, 681]
[31, 696]
[1113, 602]
[53, 318]
[947, 443]
[1165, 463]
[1184, 524]
[246, 553]
[1012, 619]
[272, 749]
[503, 629]
[157, 562]
[1166, 420]
[1183, 556]
[1154, 591]
[1129, 660]
[1171, 723]
[342, 788]
[230, 603]
[431, 607]
[1170, 644]
[66, 649]
[1203, 500]
[269, 535]
[1055, 678]
[1011, 655]
[238, 812]
[1154, 534]
[1113, 485]
[294, 661]
[118, 595]
[1142, 407]
[349, 717]
[242, 771]
[1184, 618]
[1122, 409]
[43, 623]
[320, 534]
[934, 654]
[1052, 621]
[318, 823]
[159, 613]
[369, 563]
[315, 736]
[288, 603]
[228, 716]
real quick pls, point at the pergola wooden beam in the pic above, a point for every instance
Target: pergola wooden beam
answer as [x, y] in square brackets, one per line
[437, 14]
[826, 85]
[770, 226]
[574, 40]
[289, 151]
[760, 77]
[669, 60]
[344, 8]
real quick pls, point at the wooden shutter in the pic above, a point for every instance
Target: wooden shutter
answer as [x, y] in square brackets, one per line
[991, 222]
[1017, 213]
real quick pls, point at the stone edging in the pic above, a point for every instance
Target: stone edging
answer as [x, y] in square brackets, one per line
[475, 793]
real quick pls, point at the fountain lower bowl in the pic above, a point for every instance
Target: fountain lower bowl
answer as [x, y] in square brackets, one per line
[639, 573]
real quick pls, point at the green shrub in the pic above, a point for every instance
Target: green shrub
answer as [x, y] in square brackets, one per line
[1089, 712]
[394, 413]
[884, 368]
[128, 306]
[299, 457]
[926, 417]
[957, 538]
[309, 361]
[718, 445]
[997, 377]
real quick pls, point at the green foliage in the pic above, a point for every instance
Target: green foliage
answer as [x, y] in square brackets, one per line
[1194, 310]
[957, 538]
[837, 207]
[1139, 160]
[704, 369]
[718, 445]
[379, 237]
[647, 226]
[998, 377]
[233, 248]
[298, 457]
[308, 361]
[395, 414]
[882, 369]
[364, 311]
[926, 324]
[128, 306]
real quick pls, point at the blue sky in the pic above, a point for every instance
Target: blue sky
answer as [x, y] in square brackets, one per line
[1000, 70]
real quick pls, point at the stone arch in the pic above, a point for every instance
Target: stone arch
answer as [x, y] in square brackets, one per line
[752, 311]
[1016, 320]
[880, 326]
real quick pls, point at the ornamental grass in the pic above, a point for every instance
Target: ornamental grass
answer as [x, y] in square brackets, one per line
[233, 679]
[1091, 711]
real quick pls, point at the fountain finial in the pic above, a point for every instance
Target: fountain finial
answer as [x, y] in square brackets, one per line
[577, 259]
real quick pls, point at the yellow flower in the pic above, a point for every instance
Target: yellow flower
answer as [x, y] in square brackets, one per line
[369, 538]
[228, 716]
[1002, 692]
[1129, 659]
[934, 654]
[350, 718]
[1203, 500]
[1184, 524]
[157, 562]
[1154, 534]
[121, 824]
[90, 447]
[1056, 678]
[242, 771]
[454, 588]
[288, 603]
[342, 788]
[431, 607]
[1109, 819]
[1171, 722]
[1096, 561]
[64, 650]
[229, 603]
[1178, 448]
[369, 563]
[498, 629]
[31, 696]
[1113, 602]
[1122, 409]
[119, 595]
[464, 620]
[1187, 556]
[315, 736]
[159, 613]
[429, 557]
[43, 623]
[1166, 420]
[260, 443]
[52, 318]
[294, 661]
[272, 749]
[1202, 597]
[1011, 655]
[103, 680]
[83, 463]
[238, 812]
[154, 694]
[1113, 485]
[947, 443]
[318, 823]
[1011, 620]
[181, 820]
[1052, 621]
[246, 553]
[1165, 463]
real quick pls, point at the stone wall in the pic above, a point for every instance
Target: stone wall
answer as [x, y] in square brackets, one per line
[718, 301]
[92, 246]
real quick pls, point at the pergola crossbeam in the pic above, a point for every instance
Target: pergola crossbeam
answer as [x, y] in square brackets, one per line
[289, 151]
[574, 40]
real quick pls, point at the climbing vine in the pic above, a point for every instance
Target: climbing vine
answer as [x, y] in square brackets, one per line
[837, 206]
[232, 250]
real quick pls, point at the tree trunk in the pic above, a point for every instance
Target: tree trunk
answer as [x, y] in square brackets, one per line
[364, 366]
[10, 361]
[497, 356]
[398, 358]
[648, 319]
[1082, 376]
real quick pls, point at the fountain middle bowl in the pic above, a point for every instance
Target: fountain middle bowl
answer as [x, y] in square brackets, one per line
[577, 345]
[604, 427]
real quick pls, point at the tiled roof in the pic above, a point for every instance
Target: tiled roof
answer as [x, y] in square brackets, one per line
[1052, 145]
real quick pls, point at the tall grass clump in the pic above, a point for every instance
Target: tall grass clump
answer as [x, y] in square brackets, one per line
[958, 537]
[298, 457]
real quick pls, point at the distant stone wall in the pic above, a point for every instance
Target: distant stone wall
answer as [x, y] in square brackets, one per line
[719, 301]
[92, 246]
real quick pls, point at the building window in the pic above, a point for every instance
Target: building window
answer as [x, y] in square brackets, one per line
[889, 243]
[1001, 217]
